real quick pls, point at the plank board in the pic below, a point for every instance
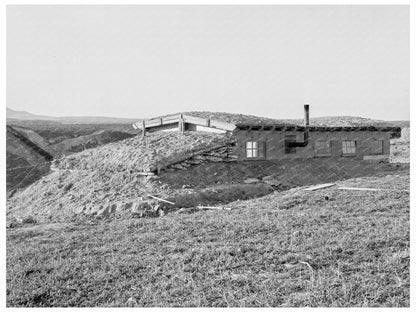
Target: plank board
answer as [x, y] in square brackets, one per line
[167, 121]
[318, 187]
[196, 120]
[369, 189]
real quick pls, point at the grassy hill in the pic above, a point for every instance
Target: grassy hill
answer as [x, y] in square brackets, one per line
[290, 248]
[330, 248]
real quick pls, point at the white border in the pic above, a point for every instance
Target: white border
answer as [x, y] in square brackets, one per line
[201, 2]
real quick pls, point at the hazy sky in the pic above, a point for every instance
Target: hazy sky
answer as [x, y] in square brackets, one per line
[144, 61]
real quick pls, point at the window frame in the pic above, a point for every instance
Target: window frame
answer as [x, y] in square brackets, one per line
[346, 153]
[257, 149]
[372, 147]
[253, 149]
[329, 148]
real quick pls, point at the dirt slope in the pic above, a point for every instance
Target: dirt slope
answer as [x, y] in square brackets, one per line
[24, 165]
[107, 175]
[57, 140]
[135, 154]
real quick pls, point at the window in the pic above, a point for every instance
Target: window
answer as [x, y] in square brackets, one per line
[255, 149]
[252, 149]
[323, 148]
[376, 147]
[349, 147]
[290, 138]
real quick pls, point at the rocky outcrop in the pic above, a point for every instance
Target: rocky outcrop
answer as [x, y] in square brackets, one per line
[223, 154]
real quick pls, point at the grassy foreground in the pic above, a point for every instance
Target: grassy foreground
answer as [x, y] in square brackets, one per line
[296, 248]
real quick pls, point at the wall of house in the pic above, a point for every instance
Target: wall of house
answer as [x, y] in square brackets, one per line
[168, 127]
[275, 143]
[193, 127]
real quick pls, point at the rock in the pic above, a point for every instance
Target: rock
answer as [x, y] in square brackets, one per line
[194, 161]
[131, 303]
[156, 207]
[199, 157]
[93, 210]
[123, 206]
[112, 208]
[78, 209]
[161, 213]
[268, 178]
[139, 208]
[68, 187]
[28, 219]
[218, 155]
[177, 166]
[103, 212]
[214, 159]
[251, 180]
[11, 224]
[272, 182]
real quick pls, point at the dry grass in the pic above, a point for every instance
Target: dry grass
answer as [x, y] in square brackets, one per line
[142, 155]
[295, 248]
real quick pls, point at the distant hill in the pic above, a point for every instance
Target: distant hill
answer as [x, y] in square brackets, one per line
[14, 116]
[401, 123]
[339, 121]
[23, 115]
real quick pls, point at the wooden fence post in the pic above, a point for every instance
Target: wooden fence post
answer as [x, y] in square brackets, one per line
[144, 129]
[181, 124]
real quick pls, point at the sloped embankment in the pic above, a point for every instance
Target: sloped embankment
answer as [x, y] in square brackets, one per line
[109, 177]
[137, 154]
[25, 160]
[32, 144]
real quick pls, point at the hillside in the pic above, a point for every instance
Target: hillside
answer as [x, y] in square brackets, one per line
[56, 132]
[57, 139]
[326, 248]
[24, 164]
[94, 232]
[110, 176]
[344, 121]
[65, 139]
[23, 115]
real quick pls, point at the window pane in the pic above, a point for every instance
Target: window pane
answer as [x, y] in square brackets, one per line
[348, 147]
[249, 144]
[255, 153]
[249, 153]
[255, 145]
